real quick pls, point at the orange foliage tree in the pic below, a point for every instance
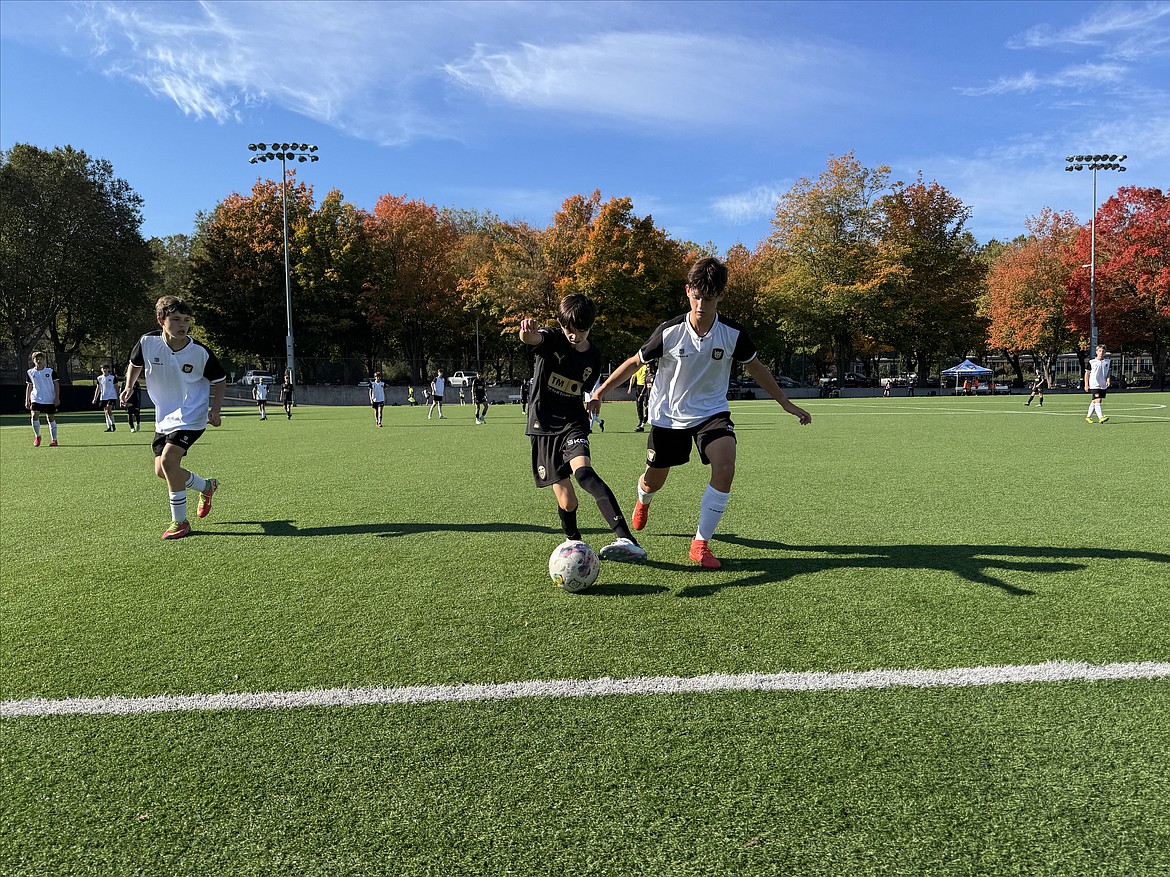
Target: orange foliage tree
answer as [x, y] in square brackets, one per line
[1133, 274]
[1027, 286]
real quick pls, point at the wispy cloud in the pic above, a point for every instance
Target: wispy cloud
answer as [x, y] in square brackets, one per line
[1138, 29]
[678, 78]
[1078, 76]
[756, 203]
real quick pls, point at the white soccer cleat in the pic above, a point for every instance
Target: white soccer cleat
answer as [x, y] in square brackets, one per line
[623, 550]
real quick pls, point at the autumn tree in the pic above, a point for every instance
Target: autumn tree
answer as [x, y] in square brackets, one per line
[237, 270]
[73, 263]
[928, 307]
[412, 290]
[1027, 285]
[1133, 274]
[825, 242]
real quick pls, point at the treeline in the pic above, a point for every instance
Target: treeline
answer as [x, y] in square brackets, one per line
[857, 267]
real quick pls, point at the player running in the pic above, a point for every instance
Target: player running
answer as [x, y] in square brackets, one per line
[566, 362]
[688, 403]
[1038, 387]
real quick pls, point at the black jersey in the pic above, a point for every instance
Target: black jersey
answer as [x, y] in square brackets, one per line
[562, 377]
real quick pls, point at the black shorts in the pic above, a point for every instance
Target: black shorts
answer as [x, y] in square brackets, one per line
[438, 399]
[672, 447]
[1097, 392]
[377, 404]
[480, 399]
[184, 438]
[43, 408]
[551, 454]
[102, 403]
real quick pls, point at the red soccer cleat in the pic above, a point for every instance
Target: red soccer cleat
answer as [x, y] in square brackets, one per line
[53, 443]
[641, 515]
[702, 555]
[204, 506]
[177, 530]
[36, 441]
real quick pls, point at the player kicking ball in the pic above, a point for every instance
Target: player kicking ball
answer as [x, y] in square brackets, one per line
[688, 402]
[566, 361]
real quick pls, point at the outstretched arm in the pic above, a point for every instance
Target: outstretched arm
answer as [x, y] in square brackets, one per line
[764, 378]
[620, 376]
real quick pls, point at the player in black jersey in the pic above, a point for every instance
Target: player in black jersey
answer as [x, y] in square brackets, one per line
[1038, 387]
[286, 394]
[566, 362]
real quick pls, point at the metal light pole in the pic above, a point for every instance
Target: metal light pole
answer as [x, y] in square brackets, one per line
[285, 152]
[1094, 163]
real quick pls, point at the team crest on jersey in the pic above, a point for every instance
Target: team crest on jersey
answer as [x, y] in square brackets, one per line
[156, 360]
[188, 368]
[540, 470]
[717, 353]
[650, 455]
[681, 353]
[585, 375]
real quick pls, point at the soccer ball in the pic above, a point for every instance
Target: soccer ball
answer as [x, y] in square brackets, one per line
[574, 566]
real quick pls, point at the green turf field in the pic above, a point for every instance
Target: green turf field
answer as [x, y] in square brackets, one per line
[903, 534]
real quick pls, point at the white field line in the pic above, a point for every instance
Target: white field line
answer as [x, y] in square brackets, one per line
[1052, 671]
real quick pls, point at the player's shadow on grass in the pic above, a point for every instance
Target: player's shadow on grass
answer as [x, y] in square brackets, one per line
[387, 530]
[978, 564]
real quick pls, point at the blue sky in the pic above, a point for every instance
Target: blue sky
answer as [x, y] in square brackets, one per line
[702, 113]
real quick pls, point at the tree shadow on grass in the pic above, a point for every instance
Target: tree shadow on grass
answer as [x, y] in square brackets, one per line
[974, 563]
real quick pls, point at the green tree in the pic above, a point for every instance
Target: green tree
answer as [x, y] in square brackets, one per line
[73, 263]
[929, 306]
[824, 243]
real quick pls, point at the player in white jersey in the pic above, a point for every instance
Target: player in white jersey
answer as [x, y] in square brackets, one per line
[438, 385]
[105, 393]
[42, 395]
[186, 383]
[688, 402]
[260, 394]
[377, 397]
[1097, 382]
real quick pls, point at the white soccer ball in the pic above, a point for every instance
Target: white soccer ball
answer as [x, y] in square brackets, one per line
[574, 566]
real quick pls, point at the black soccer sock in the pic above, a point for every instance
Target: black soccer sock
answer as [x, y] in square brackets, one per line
[569, 523]
[606, 501]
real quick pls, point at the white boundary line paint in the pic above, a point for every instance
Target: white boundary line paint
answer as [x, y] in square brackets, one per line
[1052, 671]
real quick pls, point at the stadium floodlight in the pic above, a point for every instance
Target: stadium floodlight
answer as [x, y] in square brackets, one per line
[1094, 163]
[285, 152]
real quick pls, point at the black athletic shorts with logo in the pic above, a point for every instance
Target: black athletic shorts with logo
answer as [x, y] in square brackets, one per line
[672, 447]
[42, 408]
[1098, 393]
[184, 438]
[551, 454]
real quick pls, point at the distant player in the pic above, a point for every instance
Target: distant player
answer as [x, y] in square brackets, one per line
[133, 406]
[105, 394]
[566, 361]
[438, 385]
[688, 405]
[410, 400]
[286, 394]
[377, 397]
[187, 383]
[1038, 386]
[479, 397]
[42, 395]
[1097, 382]
[260, 394]
[637, 389]
[525, 390]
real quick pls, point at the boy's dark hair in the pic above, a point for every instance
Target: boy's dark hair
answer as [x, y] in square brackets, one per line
[170, 304]
[576, 311]
[708, 277]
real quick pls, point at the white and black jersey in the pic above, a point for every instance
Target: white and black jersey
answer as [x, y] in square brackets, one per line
[179, 381]
[377, 393]
[562, 376]
[693, 371]
[1098, 373]
[107, 387]
[43, 391]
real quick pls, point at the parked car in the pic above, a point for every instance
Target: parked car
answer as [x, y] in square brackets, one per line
[786, 382]
[853, 379]
[462, 378]
[257, 376]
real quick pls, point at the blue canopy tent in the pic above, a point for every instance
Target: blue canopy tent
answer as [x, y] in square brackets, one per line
[966, 369]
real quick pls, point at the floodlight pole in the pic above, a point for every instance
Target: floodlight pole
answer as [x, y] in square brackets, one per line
[301, 152]
[1094, 163]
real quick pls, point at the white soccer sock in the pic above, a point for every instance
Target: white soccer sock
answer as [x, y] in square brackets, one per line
[196, 483]
[644, 496]
[1092, 408]
[36, 425]
[711, 512]
[178, 505]
[53, 430]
